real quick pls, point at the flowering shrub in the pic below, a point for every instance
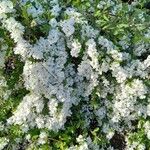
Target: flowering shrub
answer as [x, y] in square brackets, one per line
[74, 75]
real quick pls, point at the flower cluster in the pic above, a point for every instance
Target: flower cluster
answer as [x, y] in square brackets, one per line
[79, 74]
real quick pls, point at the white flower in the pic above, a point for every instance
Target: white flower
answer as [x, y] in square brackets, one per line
[106, 43]
[101, 112]
[68, 26]
[147, 61]
[28, 137]
[110, 135]
[80, 139]
[141, 147]
[88, 31]
[148, 134]
[40, 122]
[139, 88]
[23, 48]
[3, 142]
[148, 109]
[2, 58]
[15, 28]
[2, 126]
[92, 52]
[24, 112]
[42, 138]
[118, 72]
[55, 10]
[6, 6]
[71, 12]
[53, 22]
[53, 36]
[75, 48]
[36, 10]
[52, 105]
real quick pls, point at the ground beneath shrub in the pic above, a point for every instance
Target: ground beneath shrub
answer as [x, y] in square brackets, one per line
[118, 141]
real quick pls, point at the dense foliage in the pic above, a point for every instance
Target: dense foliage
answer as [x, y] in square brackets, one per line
[74, 75]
